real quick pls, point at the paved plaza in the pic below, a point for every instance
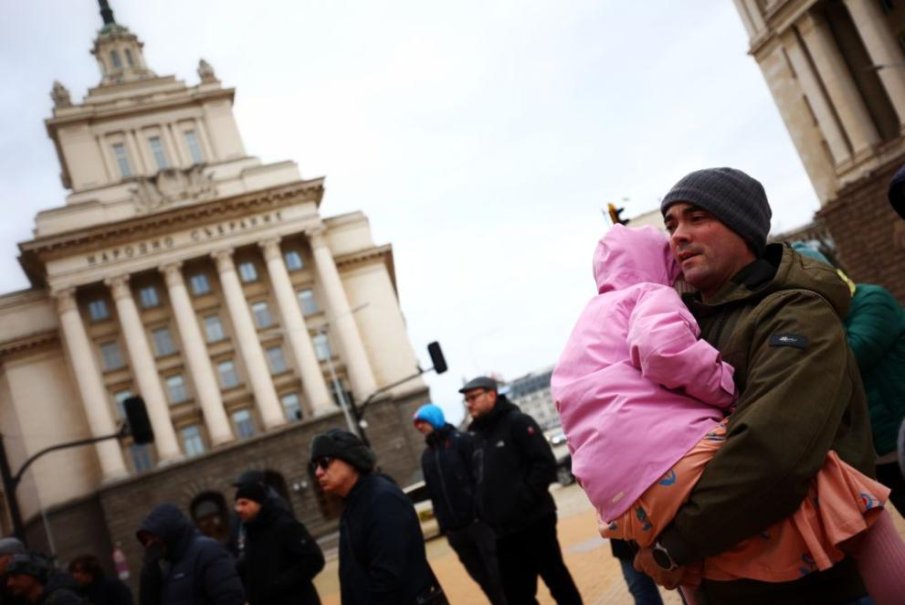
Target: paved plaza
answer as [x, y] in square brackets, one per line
[588, 556]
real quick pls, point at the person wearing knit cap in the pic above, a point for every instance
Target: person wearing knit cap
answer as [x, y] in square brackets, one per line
[778, 321]
[8, 547]
[32, 577]
[382, 559]
[448, 468]
[279, 557]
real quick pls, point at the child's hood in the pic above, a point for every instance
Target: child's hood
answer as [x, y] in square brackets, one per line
[626, 256]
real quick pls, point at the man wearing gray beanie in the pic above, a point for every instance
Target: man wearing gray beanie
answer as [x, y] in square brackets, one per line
[777, 319]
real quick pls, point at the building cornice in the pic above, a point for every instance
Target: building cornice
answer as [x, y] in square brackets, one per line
[32, 342]
[139, 105]
[359, 257]
[781, 16]
[36, 252]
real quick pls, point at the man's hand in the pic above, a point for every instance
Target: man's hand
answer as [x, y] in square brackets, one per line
[644, 562]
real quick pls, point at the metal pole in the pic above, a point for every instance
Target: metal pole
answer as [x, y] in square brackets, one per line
[338, 391]
[9, 492]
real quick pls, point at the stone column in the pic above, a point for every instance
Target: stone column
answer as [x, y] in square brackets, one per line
[145, 370]
[317, 397]
[246, 337]
[823, 112]
[206, 388]
[341, 320]
[883, 50]
[90, 385]
[856, 120]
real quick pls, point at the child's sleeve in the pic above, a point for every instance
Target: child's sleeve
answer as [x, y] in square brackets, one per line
[663, 343]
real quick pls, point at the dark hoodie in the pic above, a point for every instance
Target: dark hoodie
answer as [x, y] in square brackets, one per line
[514, 467]
[281, 559]
[192, 569]
[778, 323]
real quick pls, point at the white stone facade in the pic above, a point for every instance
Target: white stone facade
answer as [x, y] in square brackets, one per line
[188, 272]
[837, 73]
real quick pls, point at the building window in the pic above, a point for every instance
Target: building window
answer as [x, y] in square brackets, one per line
[163, 342]
[111, 356]
[276, 360]
[248, 272]
[122, 160]
[129, 58]
[119, 398]
[321, 347]
[261, 314]
[307, 301]
[97, 310]
[115, 60]
[244, 423]
[229, 378]
[148, 297]
[191, 141]
[141, 457]
[293, 260]
[160, 157]
[176, 388]
[213, 328]
[200, 284]
[292, 406]
[192, 442]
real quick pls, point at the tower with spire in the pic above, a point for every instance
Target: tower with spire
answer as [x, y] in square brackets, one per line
[184, 270]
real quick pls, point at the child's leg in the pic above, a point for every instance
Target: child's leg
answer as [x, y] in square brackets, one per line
[880, 554]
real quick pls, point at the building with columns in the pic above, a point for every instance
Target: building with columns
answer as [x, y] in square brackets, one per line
[185, 270]
[836, 69]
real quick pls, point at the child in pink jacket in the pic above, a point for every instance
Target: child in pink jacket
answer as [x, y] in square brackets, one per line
[643, 402]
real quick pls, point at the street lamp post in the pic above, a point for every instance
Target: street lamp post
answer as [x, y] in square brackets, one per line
[338, 391]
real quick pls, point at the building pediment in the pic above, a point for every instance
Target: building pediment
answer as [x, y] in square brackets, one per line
[148, 233]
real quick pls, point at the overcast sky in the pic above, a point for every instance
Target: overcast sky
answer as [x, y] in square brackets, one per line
[481, 138]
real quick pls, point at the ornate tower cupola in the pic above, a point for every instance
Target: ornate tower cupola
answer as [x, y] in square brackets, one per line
[118, 51]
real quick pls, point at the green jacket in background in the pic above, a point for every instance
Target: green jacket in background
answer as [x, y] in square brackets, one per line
[875, 326]
[778, 322]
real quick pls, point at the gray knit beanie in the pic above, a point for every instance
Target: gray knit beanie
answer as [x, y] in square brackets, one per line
[733, 197]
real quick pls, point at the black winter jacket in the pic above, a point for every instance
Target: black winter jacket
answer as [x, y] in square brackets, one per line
[447, 466]
[107, 591]
[194, 569]
[280, 559]
[61, 589]
[382, 560]
[514, 467]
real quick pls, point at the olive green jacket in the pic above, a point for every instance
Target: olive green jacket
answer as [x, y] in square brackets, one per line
[778, 322]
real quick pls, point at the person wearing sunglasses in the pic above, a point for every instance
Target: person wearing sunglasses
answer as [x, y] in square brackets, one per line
[382, 560]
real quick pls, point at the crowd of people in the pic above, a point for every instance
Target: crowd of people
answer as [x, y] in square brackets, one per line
[732, 409]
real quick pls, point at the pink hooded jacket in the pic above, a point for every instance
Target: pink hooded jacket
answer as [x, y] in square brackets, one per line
[635, 388]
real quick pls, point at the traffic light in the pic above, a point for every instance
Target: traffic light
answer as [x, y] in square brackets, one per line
[436, 353]
[614, 215]
[138, 421]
